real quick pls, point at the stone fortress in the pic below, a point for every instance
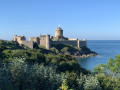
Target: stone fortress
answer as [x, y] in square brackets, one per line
[47, 40]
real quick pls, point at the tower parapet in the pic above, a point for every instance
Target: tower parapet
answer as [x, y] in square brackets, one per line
[19, 38]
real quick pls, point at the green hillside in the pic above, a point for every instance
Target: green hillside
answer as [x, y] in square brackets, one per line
[54, 69]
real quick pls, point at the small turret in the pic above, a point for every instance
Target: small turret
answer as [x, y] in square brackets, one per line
[84, 39]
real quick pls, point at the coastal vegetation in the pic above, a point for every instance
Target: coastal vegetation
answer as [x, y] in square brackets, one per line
[71, 50]
[54, 69]
[109, 74]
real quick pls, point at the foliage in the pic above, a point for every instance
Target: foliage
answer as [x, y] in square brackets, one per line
[108, 82]
[19, 75]
[85, 48]
[64, 63]
[9, 45]
[92, 83]
[36, 69]
[54, 50]
[71, 50]
[41, 69]
[43, 47]
[109, 74]
[31, 56]
[64, 85]
[112, 68]
[71, 78]
[65, 48]
[88, 82]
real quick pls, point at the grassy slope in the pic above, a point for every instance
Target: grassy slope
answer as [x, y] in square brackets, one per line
[71, 50]
[10, 50]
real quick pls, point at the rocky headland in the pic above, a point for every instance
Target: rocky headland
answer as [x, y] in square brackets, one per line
[76, 52]
[82, 52]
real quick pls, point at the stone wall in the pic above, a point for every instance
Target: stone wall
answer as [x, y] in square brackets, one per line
[35, 39]
[18, 38]
[72, 39]
[48, 42]
[82, 43]
[73, 43]
[28, 44]
[42, 40]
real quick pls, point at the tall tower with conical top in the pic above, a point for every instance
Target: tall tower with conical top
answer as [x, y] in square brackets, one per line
[59, 33]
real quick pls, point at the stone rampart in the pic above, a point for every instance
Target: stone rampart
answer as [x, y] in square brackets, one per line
[35, 39]
[82, 43]
[18, 38]
[72, 39]
[73, 43]
[43, 40]
[28, 44]
[48, 41]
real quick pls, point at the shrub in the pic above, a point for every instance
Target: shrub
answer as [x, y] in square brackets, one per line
[20, 75]
[88, 82]
[109, 74]
[92, 83]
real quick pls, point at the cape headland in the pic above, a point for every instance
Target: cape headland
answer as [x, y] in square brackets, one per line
[57, 43]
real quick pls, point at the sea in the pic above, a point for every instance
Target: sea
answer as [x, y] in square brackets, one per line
[105, 48]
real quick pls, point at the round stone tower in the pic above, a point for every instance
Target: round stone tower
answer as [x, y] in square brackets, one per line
[59, 33]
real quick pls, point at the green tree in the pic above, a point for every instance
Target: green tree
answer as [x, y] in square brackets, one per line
[64, 85]
[112, 68]
[109, 74]
[65, 49]
[54, 50]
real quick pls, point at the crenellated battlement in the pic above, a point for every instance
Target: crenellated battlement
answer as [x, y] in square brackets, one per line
[45, 40]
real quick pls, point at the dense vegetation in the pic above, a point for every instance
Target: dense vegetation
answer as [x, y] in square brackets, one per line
[71, 50]
[109, 74]
[41, 69]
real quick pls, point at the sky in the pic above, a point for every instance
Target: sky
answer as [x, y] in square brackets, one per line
[90, 19]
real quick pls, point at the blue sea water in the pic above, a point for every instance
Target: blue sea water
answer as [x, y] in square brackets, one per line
[105, 49]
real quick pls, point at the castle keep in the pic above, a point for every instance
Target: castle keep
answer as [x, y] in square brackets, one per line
[47, 40]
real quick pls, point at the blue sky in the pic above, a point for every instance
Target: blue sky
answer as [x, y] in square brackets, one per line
[90, 19]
